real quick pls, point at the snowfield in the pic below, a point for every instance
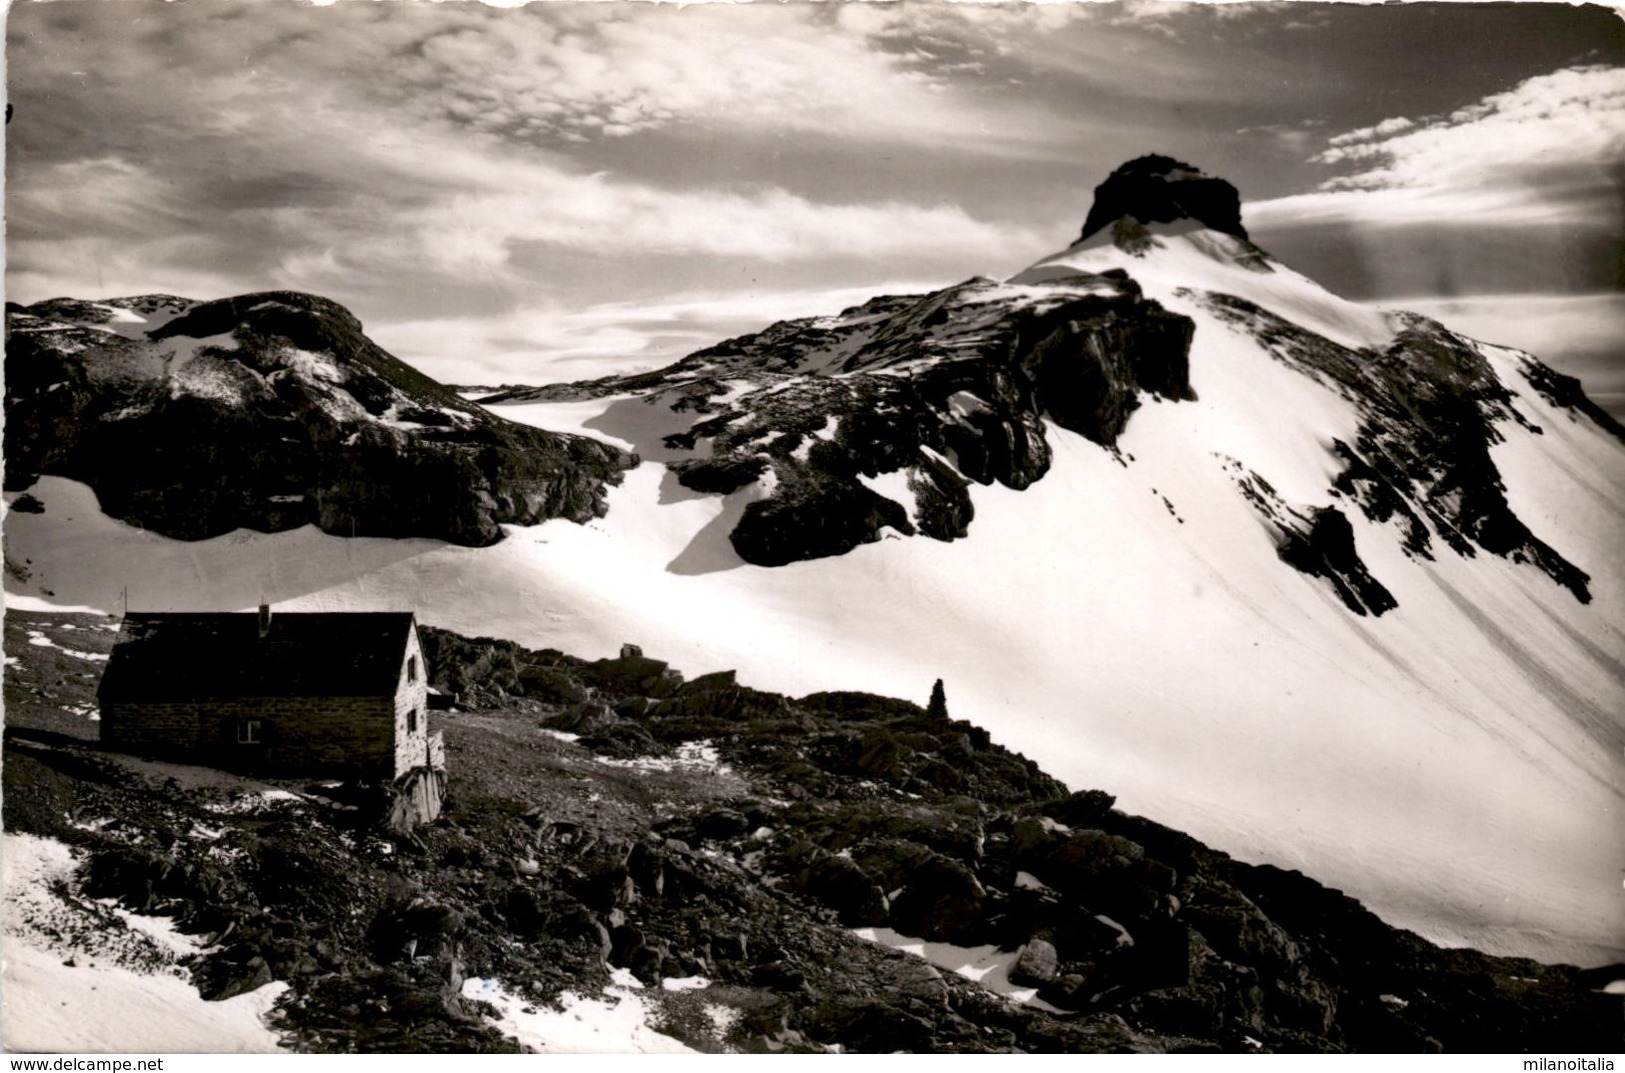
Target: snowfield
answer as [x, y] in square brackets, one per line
[73, 983]
[619, 1022]
[1458, 763]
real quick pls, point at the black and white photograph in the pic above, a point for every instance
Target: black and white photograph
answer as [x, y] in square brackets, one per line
[814, 527]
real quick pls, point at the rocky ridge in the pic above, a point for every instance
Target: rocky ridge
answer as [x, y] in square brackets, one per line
[612, 817]
[878, 419]
[1429, 404]
[272, 411]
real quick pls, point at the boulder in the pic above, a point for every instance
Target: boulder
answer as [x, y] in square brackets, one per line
[721, 824]
[1080, 934]
[942, 901]
[551, 685]
[220, 980]
[892, 861]
[1085, 861]
[840, 884]
[629, 674]
[706, 682]
[1030, 840]
[1038, 964]
[582, 717]
[1086, 808]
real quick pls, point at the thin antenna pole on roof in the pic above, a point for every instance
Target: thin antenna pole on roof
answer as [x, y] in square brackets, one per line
[126, 597]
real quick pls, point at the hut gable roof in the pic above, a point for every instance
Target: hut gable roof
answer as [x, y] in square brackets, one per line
[187, 656]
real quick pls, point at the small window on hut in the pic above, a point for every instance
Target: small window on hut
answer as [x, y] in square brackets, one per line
[248, 732]
[412, 669]
[412, 721]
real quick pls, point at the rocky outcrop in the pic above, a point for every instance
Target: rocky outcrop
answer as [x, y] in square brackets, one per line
[877, 421]
[1158, 190]
[272, 411]
[1428, 406]
[1325, 549]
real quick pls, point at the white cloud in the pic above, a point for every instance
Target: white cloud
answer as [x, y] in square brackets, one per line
[1545, 152]
[254, 156]
[1368, 135]
[563, 73]
[548, 344]
[498, 203]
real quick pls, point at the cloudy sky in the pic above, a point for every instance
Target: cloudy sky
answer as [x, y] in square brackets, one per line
[548, 192]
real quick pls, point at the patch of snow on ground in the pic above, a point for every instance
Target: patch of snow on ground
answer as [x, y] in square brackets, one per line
[987, 966]
[125, 322]
[312, 365]
[205, 380]
[562, 735]
[1209, 260]
[1024, 296]
[80, 976]
[39, 640]
[617, 1023]
[685, 983]
[254, 801]
[803, 450]
[690, 756]
[391, 417]
[894, 486]
[722, 1018]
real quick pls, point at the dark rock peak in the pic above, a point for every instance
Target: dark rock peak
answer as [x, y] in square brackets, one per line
[1159, 189]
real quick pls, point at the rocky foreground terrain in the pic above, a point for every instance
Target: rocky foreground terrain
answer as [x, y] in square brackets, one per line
[611, 818]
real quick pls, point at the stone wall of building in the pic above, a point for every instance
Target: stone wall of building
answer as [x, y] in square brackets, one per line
[377, 737]
[411, 748]
[305, 736]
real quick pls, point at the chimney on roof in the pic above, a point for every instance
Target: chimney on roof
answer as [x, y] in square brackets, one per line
[265, 620]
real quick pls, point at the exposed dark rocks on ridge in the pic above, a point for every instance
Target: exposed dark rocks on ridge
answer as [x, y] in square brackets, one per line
[1428, 405]
[1565, 391]
[944, 389]
[555, 862]
[271, 411]
[1326, 549]
[1159, 189]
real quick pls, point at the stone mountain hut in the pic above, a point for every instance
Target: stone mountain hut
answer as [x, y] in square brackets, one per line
[328, 695]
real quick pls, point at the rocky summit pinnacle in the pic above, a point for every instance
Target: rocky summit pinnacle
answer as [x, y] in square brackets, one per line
[1160, 189]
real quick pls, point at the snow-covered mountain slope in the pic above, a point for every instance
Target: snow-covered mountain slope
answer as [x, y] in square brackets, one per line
[271, 411]
[1349, 599]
